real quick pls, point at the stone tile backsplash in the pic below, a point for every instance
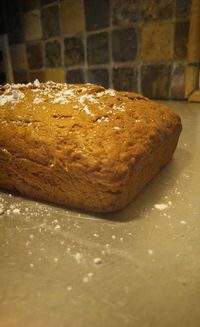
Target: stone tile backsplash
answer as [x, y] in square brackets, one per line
[133, 45]
[34, 55]
[50, 21]
[99, 76]
[124, 45]
[157, 10]
[73, 51]
[53, 54]
[97, 14]
[155, 80]
[98, 49]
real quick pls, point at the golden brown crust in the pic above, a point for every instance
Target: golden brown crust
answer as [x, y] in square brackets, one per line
[80, 145]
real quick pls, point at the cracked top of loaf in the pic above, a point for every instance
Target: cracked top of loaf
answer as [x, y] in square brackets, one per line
[100, 131]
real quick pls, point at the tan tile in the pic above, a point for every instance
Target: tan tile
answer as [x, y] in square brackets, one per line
[37, 74]
[72, 17]
[157, 41]
[18, 56]
[32, 25]
[56, 75]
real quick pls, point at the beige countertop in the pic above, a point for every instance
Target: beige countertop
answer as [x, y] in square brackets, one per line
[139, 267]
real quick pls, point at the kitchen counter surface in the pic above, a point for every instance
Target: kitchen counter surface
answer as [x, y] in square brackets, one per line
[139, 267]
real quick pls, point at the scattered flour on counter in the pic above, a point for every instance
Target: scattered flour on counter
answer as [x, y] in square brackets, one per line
[150, 251]
[90, 274]
[161, 206]
[183, 222]
[78, 256]
[85, 279]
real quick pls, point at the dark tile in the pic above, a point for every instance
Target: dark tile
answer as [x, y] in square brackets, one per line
[20, 76]
[124, 45]
[99, 77]
[2, 21]
[34, 55]
[40, 75]
[75, 76]
[155, 81]
[1, 57]
[183, 8]
[14, 22]
[125, 11]
[97, 49]
[50, 21]
[181, 39]
[125, 79]
[46, 2]
[154, 9]
[30, 4]
[178, 81]
[53, 54]
[97, 14]
[3, 29]
[2, 78]
[74, 52]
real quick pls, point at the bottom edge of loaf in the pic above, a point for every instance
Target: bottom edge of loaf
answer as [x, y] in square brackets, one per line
[96, 199]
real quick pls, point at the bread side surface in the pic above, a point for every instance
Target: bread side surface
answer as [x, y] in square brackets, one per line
[81, 145]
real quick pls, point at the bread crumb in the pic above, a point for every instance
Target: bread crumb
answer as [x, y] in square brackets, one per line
[97, 261]
[90, 274]
[161, 206]
[85, 279]
[78, 256]
[183, 222]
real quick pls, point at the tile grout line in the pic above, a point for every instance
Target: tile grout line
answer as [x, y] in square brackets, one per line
[62, 46]
[85, 71]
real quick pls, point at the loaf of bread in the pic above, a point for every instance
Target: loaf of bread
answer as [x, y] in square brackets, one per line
[81, 145]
